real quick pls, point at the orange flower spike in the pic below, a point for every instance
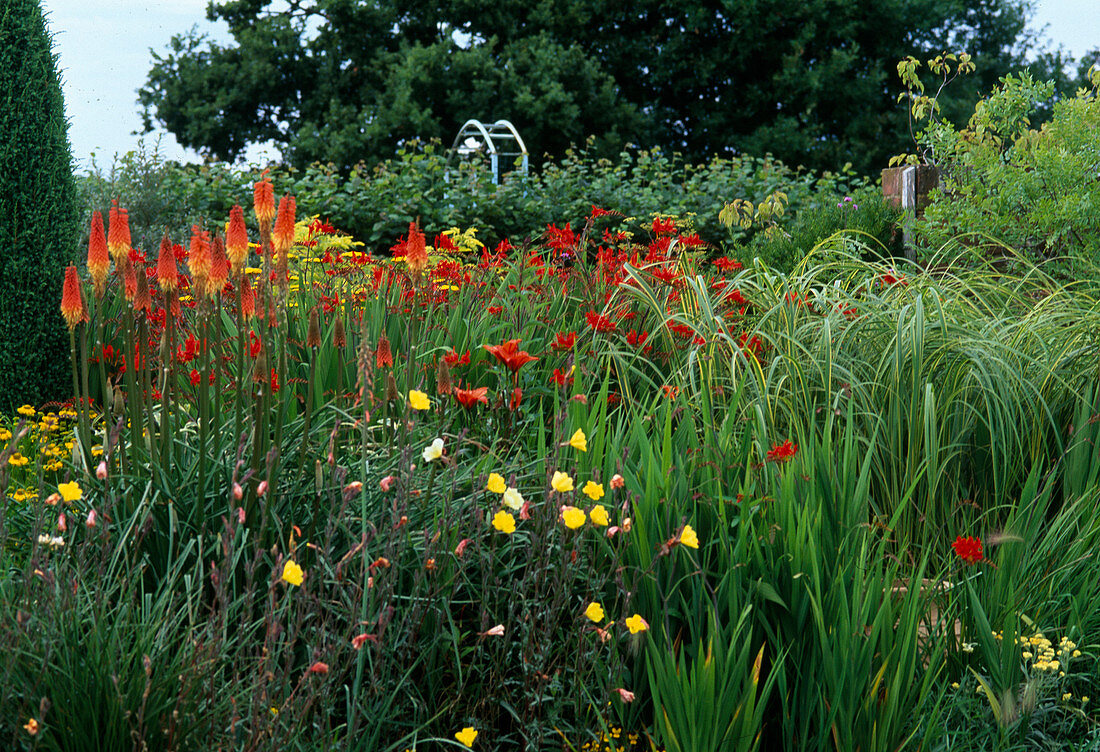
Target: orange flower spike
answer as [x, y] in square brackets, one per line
[99, 259]
[125, 269]
[416, 251]
[72, 299]
[248, 298]
[263, 201]
[383, 357]
[510, 355]
[284, 225]
[118, 232]
[143, 301]
[219, 267]
[236, 240]
[167, 273]
[199, 259]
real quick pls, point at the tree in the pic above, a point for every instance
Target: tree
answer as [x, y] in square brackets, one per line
[38, 210]
[812, 82]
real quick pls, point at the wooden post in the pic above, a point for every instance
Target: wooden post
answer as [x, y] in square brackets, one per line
[909, 188]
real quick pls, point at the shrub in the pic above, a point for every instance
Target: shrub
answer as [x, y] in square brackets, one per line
[38, 210]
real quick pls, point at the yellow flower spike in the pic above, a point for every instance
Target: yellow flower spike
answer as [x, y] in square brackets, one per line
[636, 624]
[467, 735]
[598, 515]
[496, 483]
[593, 490]
[594, 612]
[418, 400]
[561, 482]
[70, 491]
[572, 517]
[292, 573]
[578, 441]
[689, 538]
[504, 522]
[512, 499]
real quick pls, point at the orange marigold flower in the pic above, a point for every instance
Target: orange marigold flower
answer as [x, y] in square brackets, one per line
[167, 273]
[263, 200]
[510, 355]
[284, 225]
[72, 299]
[99, 259]
[118, 232]
[236, 240]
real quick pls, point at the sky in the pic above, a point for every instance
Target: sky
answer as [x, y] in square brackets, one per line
[105, 49]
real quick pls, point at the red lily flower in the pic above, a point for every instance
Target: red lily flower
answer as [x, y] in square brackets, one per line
[469, 398]
[510, 355]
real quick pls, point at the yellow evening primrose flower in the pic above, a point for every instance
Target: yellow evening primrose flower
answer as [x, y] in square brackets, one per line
[504, 522]
[561, 482]
[593, 491]
[292, 573]
[496, 483]
[512, 499]
[467, 735]
[598, 515]
[579, 441]
[636, 624]
[418, 400]
[572, 517]
[594, 612]
[433, 451]
[70, 491]
[689, 538]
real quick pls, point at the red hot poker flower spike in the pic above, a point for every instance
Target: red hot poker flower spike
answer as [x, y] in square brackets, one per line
[72, 299]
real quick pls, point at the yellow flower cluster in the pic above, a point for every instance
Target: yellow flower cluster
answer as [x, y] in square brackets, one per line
[1044, 657]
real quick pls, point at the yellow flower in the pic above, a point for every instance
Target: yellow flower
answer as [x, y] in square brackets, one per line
[5, 434]
[418, 400]
[512, 499]
[17, 460]
[433, 451]
[496, 483]
[504, 522]
[70, 491]
[598, 515]
[594, 491]
[561, 482]
[572, 517]
[689, 538]
[292, 573]
[26, 410]
[579, 441]
[594, 612]
[467, 735]
[636, 624]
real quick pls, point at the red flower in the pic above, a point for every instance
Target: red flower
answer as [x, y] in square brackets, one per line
[968, 549]
[563, 341]
[517, 397]
[663, 226]
[726, 264]
[236, 240]
[494, 310]
[454, 359]
[599, 322]
[167, 271]
[560, 378]
[469, 398]
[263, 200]
[598, 212]
[510, 355]
[890, 280]
[383, 357]
[782, 452]
[195, 377]
[284, 224]
[72, 299]
[99, 260]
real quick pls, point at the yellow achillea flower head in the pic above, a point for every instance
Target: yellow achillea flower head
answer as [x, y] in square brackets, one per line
[594, 612]
[504, 522]
[579, 441]
[512, 499]
[70, 491]
[689, 538]
[496, 483]
[598, 515]
[292, 573]
[561, 482]
[418, 400]
[467, 735]
[572, 517]
[636, 624]
[593, 491]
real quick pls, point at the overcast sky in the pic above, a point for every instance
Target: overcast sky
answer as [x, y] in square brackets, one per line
[104, 48]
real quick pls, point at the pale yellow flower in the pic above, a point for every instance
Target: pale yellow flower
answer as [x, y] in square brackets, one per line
[561, 482]
[433, 451]
[512, 499]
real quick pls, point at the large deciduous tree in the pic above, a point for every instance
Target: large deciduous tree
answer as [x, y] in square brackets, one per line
[812, 82]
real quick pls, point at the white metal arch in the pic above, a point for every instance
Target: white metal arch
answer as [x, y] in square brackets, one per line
[499, 139]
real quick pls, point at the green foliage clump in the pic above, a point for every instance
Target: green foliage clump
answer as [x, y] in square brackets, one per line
[38, 209]
[1005, 182]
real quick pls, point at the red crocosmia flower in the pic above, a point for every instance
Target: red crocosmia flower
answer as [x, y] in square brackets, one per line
[510, 355]
[469, 398]
[663, 226]
[516, 398]
[560, 378]
[783, 452]
[598, 212]
[72, 299]
[691, 241]
[682, 330]
[672, 392]
[494, 310]
[968, 549]
[444, 243]
[274, 381]
[454, 359]
[891, 279]
[599, 322]
[563, 341]
[195, 377]
[254, 346]
[667, 274]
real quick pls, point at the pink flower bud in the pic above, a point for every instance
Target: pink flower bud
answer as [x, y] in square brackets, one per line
[62, 525]
[625, 694]
[353, 488]
[359, 639]
[238, 492]
[617, 481]
[262, 488]
[461, 547]
[387, 483]
[497, 631]
[525, 511]
[90, 522]
[319, 668]
[101, 470]
[240, 515]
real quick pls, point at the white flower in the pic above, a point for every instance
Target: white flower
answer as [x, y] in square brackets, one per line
[53, 541]
[512, 499]
[433, 451]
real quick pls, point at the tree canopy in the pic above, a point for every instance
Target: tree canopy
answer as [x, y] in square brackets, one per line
[812, 82]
